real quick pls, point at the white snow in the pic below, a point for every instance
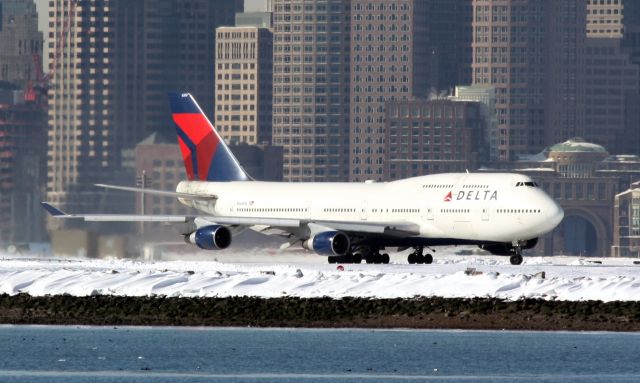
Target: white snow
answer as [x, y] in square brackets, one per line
[264, 274]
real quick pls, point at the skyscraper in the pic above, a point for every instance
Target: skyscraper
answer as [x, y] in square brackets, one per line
[244, 73]
[612, 83]
[389, 61]
[311, 88]
[400, 51]
[612, 99]
[23, 124]
[20, 42]
[113, 63]
[531, 52]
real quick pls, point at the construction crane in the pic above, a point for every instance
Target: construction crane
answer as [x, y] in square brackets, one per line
[41, 83]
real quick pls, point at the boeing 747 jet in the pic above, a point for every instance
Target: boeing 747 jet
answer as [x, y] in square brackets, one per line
[502, 213]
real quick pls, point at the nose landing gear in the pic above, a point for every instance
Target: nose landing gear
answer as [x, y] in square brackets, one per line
[516, 258]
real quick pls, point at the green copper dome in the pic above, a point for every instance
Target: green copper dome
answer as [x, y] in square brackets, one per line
[578, 145]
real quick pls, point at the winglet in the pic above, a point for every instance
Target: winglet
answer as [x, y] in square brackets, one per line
[54, 211]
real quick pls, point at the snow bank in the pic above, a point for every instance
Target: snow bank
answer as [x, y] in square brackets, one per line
[553, 278]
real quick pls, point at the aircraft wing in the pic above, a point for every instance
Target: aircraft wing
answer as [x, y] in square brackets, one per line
[57, 213]
[395, 229]
[263, 224]
[278, 225]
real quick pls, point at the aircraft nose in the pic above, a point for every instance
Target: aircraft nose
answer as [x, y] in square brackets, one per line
[555, 215]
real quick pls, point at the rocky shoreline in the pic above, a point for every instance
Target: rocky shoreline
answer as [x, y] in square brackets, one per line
[419, 312]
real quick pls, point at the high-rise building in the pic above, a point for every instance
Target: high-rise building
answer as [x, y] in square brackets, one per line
[23, 124]
[20, 42]
[113, 62]
[254, 19]
[389, 62]
[486, 96]
[612, 84]
[448, 29]
[631, 32]
[626, 223]
[612, 97]
[604, 18]
[244, 72]
[400, 51]
[433, 136]
[311, 88]
[23, 142]
[530, 51]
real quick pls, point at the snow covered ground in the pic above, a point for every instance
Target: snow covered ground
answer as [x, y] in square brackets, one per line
[267, 274]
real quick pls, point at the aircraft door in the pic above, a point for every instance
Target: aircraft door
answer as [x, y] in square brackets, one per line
[363, 211]
[427, 213]
[485, 211]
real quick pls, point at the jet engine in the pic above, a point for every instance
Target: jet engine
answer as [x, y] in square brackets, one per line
[213, 237]
[328, 243]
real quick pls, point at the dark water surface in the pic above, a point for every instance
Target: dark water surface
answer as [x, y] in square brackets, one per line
[134, 354]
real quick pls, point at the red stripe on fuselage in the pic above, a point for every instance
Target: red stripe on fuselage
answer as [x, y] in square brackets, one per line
[201, 133]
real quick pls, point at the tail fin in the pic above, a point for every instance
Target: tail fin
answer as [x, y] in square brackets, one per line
[206, 156]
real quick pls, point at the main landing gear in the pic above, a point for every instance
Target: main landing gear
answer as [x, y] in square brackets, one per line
[418, 257]
[378, 258]
[516, 258]
[346, 259]
[362, 254]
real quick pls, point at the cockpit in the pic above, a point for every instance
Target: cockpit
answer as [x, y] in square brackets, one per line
[530, 184]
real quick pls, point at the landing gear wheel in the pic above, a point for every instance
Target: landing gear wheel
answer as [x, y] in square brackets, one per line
[428, 259]
[412, 259]
[419, 259]
[516, 259]
[385, 258]
[333, 259]
[357, 259]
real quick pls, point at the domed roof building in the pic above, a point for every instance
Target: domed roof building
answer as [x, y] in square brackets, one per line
[584, 179]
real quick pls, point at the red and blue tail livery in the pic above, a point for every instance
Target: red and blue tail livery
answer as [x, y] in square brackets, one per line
[206, 156]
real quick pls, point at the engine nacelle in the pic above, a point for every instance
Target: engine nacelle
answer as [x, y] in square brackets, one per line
[328, 243]
[213, 237]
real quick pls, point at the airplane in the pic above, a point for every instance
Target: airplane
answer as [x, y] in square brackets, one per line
[502, 213]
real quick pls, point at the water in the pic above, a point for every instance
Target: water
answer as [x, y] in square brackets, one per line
[131, 354]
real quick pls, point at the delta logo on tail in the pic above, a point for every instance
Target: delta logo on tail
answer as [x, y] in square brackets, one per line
[206, 156]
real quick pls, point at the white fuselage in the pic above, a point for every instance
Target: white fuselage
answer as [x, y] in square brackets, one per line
[484, 207]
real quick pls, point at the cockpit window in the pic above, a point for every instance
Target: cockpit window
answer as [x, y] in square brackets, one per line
[527, 183]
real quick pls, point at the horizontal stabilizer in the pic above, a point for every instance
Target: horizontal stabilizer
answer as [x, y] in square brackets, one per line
[54, 211]
[165, 193]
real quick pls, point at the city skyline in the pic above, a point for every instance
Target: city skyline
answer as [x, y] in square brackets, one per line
[361, 90]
